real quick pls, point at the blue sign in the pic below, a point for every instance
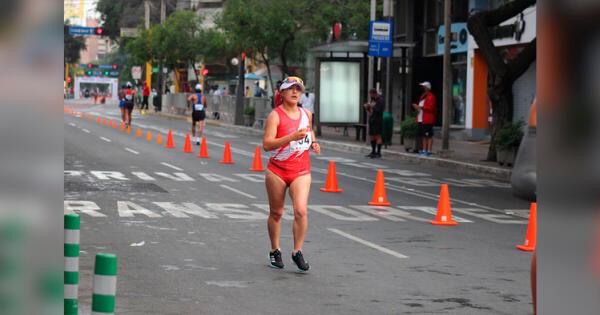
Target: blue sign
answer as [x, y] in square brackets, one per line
[380, 38]
[81, 30]
[458, 38]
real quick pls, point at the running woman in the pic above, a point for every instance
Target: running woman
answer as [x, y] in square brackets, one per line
[198, 112]
[288, 137]
[129, 102]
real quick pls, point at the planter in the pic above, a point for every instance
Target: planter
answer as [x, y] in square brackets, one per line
[410, 144]
[248, 120]
[506, 156]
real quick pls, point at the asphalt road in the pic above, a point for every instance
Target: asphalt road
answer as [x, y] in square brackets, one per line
[191, 238]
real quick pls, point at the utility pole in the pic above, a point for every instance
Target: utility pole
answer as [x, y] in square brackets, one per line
[147, 26]
[240, 95]
[447, 96]
[387, 15]
[161, 88]
[371, 69]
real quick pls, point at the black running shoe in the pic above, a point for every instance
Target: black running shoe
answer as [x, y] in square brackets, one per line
[302, 265]
[370, 155]
[275, 260]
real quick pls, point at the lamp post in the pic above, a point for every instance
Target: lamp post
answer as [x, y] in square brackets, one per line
[239, 94]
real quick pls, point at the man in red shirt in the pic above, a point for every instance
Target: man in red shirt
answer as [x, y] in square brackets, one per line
[426, 117]
[145, 95]
[277, 99]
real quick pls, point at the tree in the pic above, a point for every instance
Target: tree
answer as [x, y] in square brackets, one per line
[115, 14]
[73, 47]
[501, 74]
[284, 29]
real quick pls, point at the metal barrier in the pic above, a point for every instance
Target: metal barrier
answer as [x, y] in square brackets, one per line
[219, 107]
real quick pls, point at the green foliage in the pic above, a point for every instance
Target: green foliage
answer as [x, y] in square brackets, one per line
[509, 136]
[249, 110]
[408, 127]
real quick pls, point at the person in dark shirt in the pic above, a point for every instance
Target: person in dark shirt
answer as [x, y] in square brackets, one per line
[375, 111]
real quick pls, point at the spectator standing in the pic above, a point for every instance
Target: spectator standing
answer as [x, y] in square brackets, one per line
[375, 111]
[145, 95]
[426, 117]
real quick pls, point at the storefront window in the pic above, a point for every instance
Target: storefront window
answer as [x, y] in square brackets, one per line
[459, 81]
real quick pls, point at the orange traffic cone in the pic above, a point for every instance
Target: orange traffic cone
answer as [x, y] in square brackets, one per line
[149, 136]
[170, 140]
[227, 154]
[203, 150]
[139, 132]
[530, 238]
[331, 184]
[104, 121]
[129, 129]
[122, 126]
[187, 147]
[159, 138]
[115, 125]
[90, 117]
[257, 164]
[379, 198]
[98, 120]
[444, 213]
[82, 115]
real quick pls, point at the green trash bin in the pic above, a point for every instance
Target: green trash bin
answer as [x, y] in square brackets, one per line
[387, 128]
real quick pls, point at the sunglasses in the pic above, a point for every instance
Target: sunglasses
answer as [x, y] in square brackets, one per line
[293, 80]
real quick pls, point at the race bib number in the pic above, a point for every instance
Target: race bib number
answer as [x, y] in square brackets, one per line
[129, 97]
[301, 145]
[198, 106]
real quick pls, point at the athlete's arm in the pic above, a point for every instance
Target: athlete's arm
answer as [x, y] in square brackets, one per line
[190, 99]
[315, 145]
[269, 140]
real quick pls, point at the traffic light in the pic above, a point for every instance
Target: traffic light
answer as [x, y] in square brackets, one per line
[89, 65]
[99, 31]
[115, 67]
[105, 72]
[68, 79]
[204, 72]
[88, 72]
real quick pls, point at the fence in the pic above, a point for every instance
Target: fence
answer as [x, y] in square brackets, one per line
[219, 107]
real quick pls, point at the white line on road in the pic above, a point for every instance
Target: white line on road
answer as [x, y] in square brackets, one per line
[374, 246]
[172, 166]
[132, 151]
[237, 191]
[72, 124]
[85, 130]
[105, 139]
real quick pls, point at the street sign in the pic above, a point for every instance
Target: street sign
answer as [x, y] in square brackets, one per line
[380, 38]
[136, 72]
[129, 32]
[81, 30]
[458, 38]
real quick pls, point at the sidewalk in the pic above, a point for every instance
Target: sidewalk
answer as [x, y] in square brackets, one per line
[465, 157]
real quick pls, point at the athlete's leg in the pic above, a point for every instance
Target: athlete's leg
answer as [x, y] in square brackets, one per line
[200, 127]
[276, 192]
[122, 114]
[130, 112]
[299, 190]
[193, 128]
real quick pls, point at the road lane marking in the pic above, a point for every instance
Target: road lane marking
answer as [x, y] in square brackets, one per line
[85, 130]
[72, 124]
[171, 166]
[105, 139]
[367, 243]
[132, 151]
[238, 191]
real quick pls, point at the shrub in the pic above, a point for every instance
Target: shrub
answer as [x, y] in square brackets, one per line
[249, 111]
[408, 127]
[509, 136]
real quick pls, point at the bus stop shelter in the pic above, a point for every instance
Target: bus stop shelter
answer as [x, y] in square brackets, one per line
[339, 71]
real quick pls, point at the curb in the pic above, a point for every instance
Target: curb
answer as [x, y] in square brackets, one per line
[458, 166]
